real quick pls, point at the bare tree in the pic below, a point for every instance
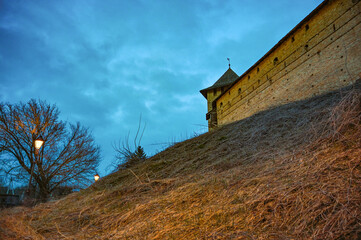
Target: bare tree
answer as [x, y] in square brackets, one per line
[69, 154]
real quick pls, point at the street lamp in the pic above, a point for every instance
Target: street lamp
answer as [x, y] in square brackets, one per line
[38, 142]
[96, 177]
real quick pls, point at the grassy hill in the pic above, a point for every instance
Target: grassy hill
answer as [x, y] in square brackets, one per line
[292, 172]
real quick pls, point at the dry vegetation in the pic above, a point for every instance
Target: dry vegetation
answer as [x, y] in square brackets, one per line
[292, 172]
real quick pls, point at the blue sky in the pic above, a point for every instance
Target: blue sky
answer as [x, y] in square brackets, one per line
[105, 63]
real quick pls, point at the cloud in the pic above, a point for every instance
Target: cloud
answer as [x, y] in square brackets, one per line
[105, 63]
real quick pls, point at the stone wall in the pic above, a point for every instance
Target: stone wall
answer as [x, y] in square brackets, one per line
[321, 54]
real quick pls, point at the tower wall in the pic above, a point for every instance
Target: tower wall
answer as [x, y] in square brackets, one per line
[321, 54]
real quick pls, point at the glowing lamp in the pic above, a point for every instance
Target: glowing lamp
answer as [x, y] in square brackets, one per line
[39, 142]
[96, 177]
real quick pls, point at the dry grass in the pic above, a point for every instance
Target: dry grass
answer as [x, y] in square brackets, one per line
[292, 172]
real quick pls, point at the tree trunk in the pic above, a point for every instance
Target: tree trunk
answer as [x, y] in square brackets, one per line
[43, 193]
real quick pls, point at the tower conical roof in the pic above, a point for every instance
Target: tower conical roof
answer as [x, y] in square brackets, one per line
[226, 79]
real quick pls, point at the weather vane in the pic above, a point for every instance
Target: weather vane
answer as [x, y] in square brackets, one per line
[229, 63]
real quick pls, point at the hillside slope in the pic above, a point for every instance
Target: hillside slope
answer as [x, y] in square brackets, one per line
[292, 172]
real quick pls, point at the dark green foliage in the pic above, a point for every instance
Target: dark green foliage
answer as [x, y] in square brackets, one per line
[140, 154]
[129, 158]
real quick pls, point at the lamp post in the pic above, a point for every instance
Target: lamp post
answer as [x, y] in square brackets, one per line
[38, 142]
[96, 177]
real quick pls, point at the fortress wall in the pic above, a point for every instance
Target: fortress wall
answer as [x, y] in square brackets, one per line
[321, 55]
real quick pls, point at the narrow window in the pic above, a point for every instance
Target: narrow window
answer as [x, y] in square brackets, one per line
[239, 90]
[214, 92]
[275, 61]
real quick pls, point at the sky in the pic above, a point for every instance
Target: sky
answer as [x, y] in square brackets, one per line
[106, 63]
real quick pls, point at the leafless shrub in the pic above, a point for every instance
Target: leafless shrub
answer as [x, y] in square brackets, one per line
[125, 155]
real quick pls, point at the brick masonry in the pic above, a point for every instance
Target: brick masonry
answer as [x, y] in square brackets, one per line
[321, 54]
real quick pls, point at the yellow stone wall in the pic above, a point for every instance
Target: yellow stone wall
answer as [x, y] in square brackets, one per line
[322, 54]
[211, 96]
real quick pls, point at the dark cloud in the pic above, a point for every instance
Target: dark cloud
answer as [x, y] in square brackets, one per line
[105, 63]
